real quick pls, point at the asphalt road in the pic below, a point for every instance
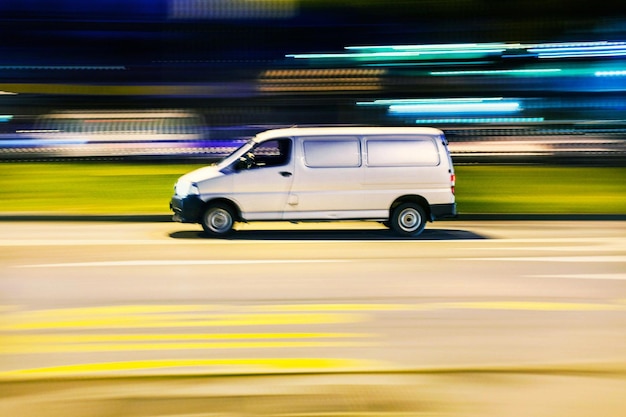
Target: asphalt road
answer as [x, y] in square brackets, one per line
[497, 318]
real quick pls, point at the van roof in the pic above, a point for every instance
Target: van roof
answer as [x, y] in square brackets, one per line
[360, 131]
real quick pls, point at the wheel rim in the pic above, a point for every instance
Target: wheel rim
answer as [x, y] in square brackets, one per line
[219, 221]
[410, 219]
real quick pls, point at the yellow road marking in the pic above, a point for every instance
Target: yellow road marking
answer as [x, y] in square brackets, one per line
[201, 366]
[136, 347]
[179, 320]
[335, 307]
[155, 338]
[65, 343]
[186, 316]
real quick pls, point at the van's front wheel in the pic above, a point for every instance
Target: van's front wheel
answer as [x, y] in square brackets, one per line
[218, 220]
[408, 219]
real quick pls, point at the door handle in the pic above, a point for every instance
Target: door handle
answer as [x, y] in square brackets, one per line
[286, 174]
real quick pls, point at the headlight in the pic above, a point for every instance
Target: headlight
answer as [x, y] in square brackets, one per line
[185, 188]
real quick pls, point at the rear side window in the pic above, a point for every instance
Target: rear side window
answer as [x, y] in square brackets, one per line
[394, 152]
[332, 153]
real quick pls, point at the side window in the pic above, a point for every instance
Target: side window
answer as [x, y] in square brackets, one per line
[395, 151]
[272, 153]
[332, 153]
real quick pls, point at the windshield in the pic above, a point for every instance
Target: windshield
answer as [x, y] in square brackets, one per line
[228, 160]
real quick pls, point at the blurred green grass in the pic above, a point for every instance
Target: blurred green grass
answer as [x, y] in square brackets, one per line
[541, 189]
[142, 188]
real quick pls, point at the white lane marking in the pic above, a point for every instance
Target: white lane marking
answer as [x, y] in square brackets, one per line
[550, 259]
[183, 263]
[582, 276]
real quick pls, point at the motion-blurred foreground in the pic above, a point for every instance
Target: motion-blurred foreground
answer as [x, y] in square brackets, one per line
[500, 318]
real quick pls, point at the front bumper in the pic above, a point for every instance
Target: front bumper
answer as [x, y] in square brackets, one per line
[187, 209]
[439, 211]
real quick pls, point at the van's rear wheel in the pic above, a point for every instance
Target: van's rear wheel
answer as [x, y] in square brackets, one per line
[218, 220]
[408, 219]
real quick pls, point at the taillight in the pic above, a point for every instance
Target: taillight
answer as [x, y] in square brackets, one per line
[452, 182]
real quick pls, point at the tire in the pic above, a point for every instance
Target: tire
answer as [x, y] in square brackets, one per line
[408, 219]
[218, 220]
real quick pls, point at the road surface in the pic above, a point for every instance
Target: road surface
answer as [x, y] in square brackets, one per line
[497, 318]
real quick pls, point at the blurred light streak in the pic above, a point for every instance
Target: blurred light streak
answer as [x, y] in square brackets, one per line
[489, 120]
[327, 88]
[428, 63]
[499, 72]
[583, 49]
[433, 52]
[321, 80]
[5, 117]
[468, 50]
[323, 72]
[9, 93]
[439, 47]
[610, 73]
[386, 102]
[577, 44]
[583, 54]
[357, 55]
[446, 105]
[68, 128]
[455, 108]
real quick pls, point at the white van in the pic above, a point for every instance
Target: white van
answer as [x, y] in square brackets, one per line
[399, 176]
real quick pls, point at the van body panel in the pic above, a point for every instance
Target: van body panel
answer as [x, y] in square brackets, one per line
[326, 185]
[329, 174]
[202, 174]
[262, 193]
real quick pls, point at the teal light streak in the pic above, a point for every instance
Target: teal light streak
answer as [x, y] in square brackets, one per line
[497, 72]
[482, 120]
[453, 47]
[5, 118]
[428, 63]
[454, 108]
[360, 55]
[388, 102]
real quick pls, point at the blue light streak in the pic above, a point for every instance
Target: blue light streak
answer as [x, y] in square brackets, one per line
[577, 50]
